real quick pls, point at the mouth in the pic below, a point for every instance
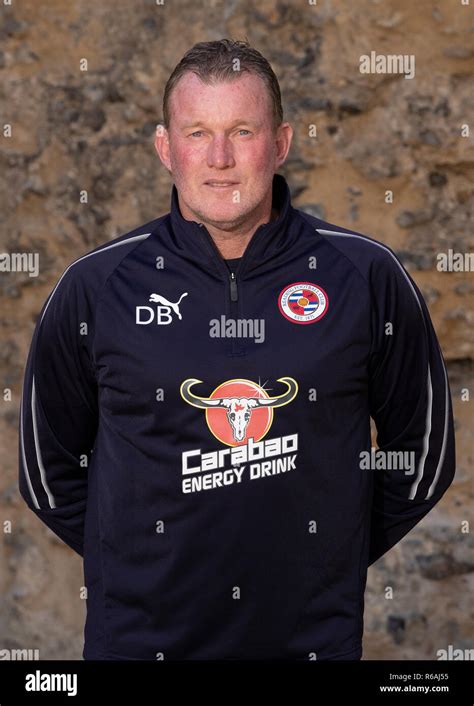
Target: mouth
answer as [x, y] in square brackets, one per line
[220, 184]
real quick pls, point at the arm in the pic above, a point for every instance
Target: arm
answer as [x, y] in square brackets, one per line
[410, 403]
[58, 413]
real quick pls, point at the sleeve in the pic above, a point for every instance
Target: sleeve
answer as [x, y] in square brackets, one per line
[58, 413]
[410, 403]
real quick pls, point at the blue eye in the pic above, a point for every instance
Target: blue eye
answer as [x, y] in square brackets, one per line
[199, 132]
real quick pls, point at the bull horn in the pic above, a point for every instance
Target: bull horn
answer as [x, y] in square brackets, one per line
[280, 400]
[200, 402]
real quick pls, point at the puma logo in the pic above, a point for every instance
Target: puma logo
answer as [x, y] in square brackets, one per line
[157, 298]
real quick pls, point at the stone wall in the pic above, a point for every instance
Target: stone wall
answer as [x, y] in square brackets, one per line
[93, 130]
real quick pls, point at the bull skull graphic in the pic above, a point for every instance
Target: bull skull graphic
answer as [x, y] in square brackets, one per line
[239, 409]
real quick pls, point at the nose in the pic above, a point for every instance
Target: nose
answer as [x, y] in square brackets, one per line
[220, 153]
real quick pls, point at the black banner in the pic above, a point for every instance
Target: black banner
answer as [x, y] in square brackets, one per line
[146, 682]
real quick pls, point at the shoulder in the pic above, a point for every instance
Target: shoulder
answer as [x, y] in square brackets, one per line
[93, 268]
[378, 264]
[82, 280]
[103, 259]
[366, 252]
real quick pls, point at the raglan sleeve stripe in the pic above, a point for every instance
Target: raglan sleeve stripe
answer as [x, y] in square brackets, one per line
[410, 402]
[58, 413]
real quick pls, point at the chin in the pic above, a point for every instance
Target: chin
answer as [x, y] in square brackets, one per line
[218, 217]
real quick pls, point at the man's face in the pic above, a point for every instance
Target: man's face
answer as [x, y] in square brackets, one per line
[222, 133]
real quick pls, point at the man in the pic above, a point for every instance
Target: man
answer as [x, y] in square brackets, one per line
[195, 419]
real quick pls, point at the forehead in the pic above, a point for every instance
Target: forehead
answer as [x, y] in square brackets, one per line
[244, 97]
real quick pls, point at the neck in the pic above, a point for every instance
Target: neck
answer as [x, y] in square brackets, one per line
[232, 243]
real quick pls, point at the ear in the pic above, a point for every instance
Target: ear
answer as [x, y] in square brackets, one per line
[283, 142]
[162, 145]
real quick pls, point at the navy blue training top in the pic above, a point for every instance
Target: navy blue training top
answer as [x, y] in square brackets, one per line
[201, 436]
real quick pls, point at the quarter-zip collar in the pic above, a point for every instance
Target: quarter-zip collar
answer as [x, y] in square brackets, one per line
[270, 240]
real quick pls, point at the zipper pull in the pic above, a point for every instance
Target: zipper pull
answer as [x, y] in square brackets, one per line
[233, 288]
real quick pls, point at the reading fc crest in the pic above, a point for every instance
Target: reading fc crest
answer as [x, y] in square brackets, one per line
[303, 302]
